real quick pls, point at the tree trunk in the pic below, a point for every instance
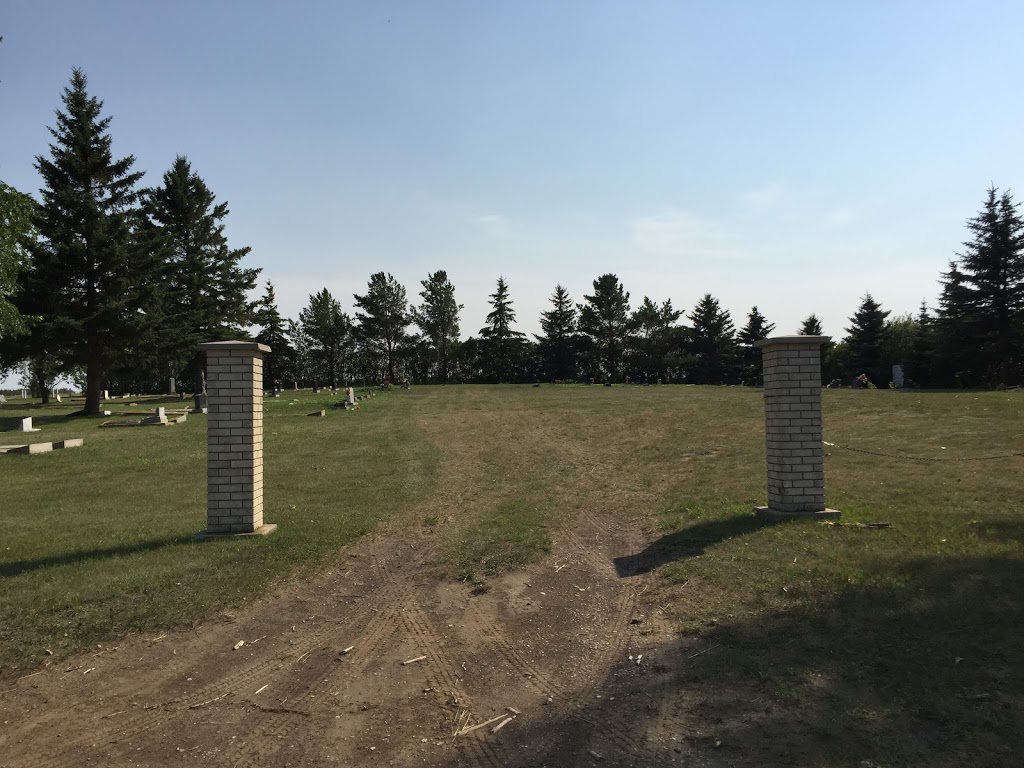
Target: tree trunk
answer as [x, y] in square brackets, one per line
[43, 387]
[93, 373]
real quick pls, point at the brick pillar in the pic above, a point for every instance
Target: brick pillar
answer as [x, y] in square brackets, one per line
[792, 420]
[234, 439]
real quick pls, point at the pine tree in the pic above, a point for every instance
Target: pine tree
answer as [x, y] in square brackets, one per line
[604, 320]
[280, 363]
[921, 363]
[864, 340]
[93, 288]
[503, 347]
[757, 328]
[383, 321]
[983, 295]
[653, 334]
[558, 347]
[205, 287]
[326, 338]
[712, 343]
[811, 326]
[438, 319]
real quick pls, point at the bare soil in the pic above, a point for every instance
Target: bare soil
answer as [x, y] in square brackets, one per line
[567, 648]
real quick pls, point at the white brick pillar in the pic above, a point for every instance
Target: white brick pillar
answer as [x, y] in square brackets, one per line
[792, 425]
[234, 439]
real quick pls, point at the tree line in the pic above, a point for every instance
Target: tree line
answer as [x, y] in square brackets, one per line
[114, 284]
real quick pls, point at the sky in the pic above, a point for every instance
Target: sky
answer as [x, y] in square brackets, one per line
[788, 155]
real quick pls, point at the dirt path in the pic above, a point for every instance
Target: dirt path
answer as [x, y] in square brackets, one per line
[549, 646]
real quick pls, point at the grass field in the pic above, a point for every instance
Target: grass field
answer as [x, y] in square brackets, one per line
[905, 639]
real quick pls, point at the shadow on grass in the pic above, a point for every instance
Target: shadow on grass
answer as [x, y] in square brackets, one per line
[24, 566]
[920, 667]
[13, 424]
[688, 542]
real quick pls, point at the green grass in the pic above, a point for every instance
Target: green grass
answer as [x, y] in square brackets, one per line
[900, 646]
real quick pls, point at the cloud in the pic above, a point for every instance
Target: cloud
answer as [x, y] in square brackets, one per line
[765, 197]
[679, 233]
[837, 217]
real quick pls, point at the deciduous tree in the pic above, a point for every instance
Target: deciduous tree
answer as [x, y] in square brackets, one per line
[326, 338]
[653, 338]
[17, 235]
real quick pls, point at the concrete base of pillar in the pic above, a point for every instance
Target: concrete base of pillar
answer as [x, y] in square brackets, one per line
[263, 530]
[774, 514]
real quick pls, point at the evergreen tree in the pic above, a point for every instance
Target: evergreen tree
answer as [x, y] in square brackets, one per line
[17, 235]
[205, 287]
[604, 320]
[811, 326]
[985, 297]
[921, 364]
[279, 365]
[327, 339]
[383, 321]
[503, 348]
[864, 340]
[438, 319]
[955, 331]
[712, 343]
[652, 338]
[757, 328]
[558, 347]
[92, 287]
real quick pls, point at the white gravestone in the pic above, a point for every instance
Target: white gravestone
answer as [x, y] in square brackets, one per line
[26, 425]
[350, 396]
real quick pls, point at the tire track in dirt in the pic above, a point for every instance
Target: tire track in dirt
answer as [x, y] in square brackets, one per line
[440, 669]
[441, 676]
[295, 667]
[378, 627]
[596, 544]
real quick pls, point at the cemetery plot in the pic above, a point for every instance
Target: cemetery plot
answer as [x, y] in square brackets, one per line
[512, 576]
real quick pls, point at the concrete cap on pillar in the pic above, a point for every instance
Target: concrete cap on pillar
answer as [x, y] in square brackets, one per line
[228, 346]
[808, 340]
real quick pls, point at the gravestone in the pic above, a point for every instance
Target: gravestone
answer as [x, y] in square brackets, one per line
[172, 389]
[106, 394]
[792, 418]
[350, 396]
[57, 396]
[3, 399]
[26, 425]
[202, 403]
[234, 441]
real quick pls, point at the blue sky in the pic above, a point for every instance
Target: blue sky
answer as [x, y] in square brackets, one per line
[792, 155]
